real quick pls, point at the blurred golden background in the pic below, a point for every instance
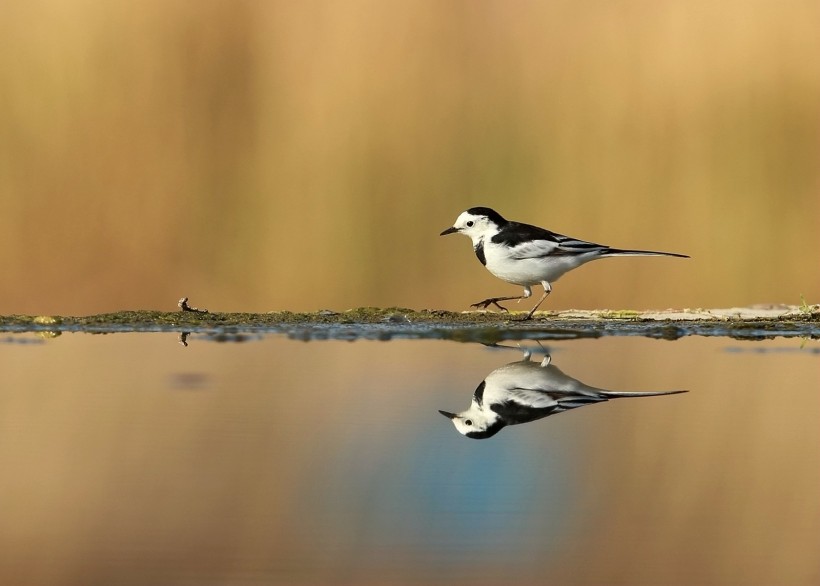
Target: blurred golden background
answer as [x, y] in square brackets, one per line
[296, 155]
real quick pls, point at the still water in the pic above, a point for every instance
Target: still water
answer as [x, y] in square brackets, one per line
[131, 459]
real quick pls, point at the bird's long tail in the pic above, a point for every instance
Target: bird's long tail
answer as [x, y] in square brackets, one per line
[592, 396]
[618, 394]
[623, 252]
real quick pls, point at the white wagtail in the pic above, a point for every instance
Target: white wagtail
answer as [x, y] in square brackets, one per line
[527, 255]
[526, 391]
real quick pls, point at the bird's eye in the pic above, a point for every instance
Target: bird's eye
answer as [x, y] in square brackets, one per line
[468, 422]
[470, 224]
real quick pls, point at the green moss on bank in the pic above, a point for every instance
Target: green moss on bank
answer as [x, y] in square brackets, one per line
[481, 326]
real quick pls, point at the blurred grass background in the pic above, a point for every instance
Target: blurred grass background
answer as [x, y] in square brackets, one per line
[269, 155]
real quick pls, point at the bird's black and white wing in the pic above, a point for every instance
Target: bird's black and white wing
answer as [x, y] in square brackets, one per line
[525, 405]
[554, 399]
[526, 241]
[525, 391]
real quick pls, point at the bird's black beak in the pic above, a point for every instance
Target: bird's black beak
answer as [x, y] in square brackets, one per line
[450, 230]
[448, 415]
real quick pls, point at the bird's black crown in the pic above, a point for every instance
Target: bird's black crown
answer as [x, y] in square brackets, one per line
[490, 213]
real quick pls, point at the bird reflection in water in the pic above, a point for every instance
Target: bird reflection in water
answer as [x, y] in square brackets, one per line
[524, 391]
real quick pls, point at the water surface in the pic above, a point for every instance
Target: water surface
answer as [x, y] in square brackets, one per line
[130, 459]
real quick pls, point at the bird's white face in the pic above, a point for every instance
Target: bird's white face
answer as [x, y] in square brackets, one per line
[476, 227]
[472, 420]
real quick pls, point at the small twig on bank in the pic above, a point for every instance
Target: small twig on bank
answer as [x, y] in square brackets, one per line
[183, 305]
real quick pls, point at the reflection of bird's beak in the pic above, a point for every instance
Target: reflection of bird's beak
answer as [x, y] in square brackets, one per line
[450, 230]
[448, 415]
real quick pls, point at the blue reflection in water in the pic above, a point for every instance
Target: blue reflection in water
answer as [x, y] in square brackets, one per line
[445, 500]
[507, 497]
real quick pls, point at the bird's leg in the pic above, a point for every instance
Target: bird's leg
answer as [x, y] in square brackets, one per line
[547, 358]
[494, 300]
[547, 291]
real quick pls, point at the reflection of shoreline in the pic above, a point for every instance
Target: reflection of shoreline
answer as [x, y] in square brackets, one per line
[756, 350]
[526, 391]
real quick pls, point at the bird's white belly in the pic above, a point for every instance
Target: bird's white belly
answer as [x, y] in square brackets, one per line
[529, 271]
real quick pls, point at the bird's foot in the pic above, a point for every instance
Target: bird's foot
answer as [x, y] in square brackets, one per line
[492, 301]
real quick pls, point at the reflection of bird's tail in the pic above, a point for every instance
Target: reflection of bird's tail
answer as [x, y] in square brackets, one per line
[617, 394]
[622, 252]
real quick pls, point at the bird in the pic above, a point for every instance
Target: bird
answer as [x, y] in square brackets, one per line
[524, 391]
[526, 255]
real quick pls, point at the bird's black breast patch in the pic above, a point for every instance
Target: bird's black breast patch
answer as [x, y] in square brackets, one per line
[491, 430]
[479, 252]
